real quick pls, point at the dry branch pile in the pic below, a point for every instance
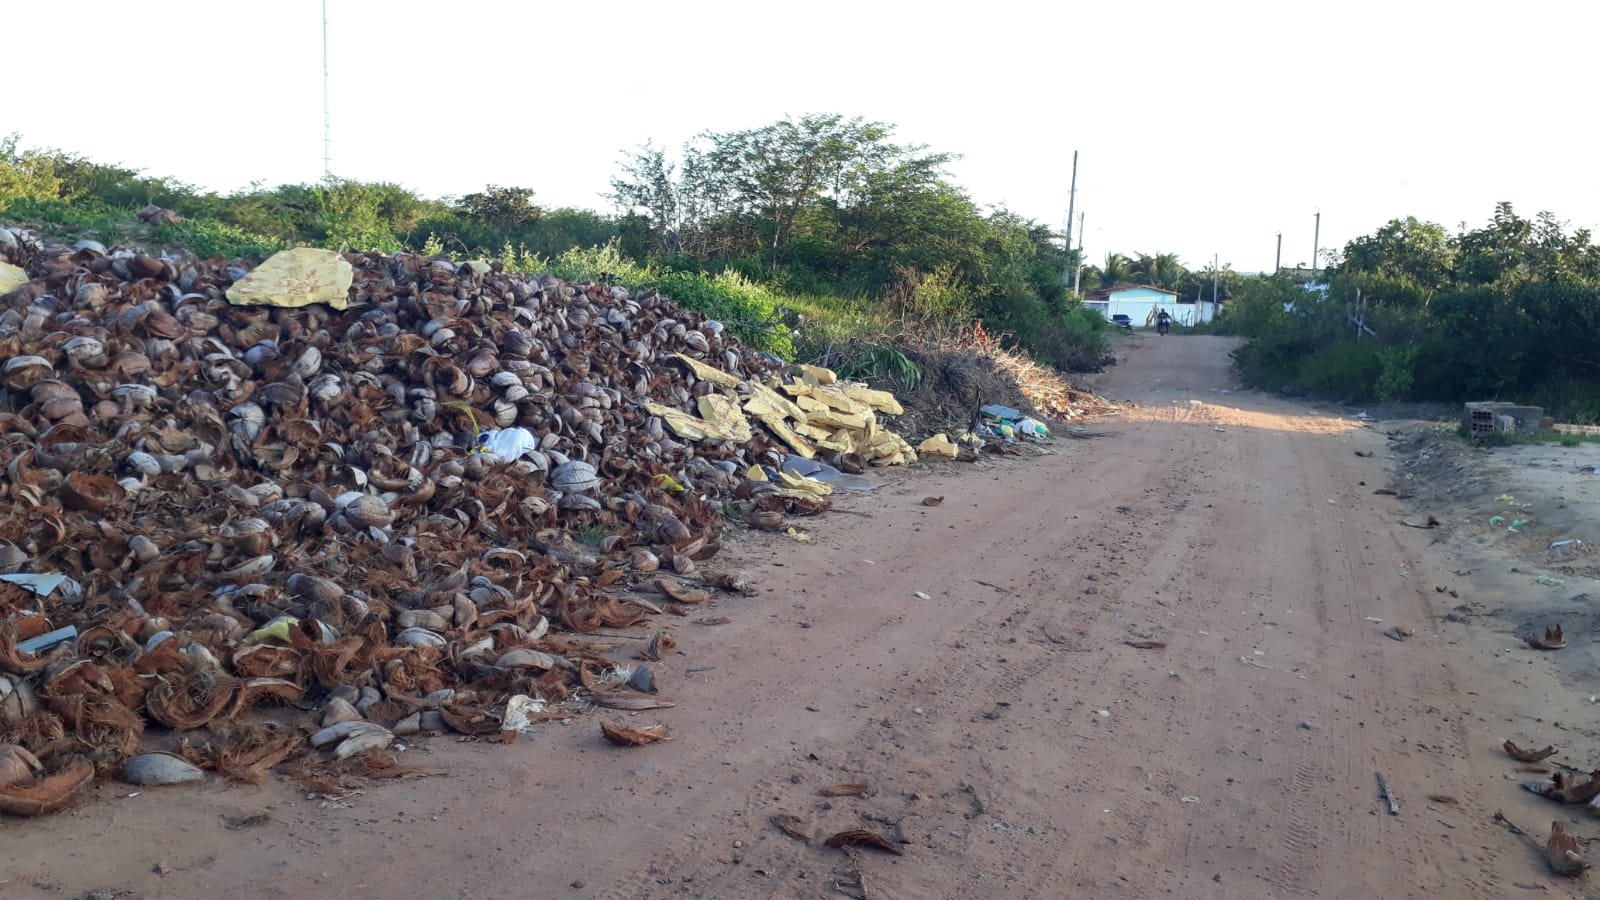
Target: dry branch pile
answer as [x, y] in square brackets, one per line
[257, 505]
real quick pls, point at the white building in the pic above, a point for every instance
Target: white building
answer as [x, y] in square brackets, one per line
[1141, 303]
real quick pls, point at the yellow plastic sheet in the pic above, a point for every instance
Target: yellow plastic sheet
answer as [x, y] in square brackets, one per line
[708, 373]
[11, 277]
[723, 414]
[939, 446]
[697, 429]
[298, 277]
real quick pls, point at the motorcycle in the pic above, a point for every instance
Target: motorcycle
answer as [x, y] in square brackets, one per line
[1163, 326]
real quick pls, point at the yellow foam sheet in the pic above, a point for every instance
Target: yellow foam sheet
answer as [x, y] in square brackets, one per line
[765, 401]
[835, 419]
[803, 485]
[710, 373]
[723, 413]
[299, 277]
[779, 427]
[697, 429]
[840, 440]
[882, 401]
[939, 446]
[810, 404]
[11, 277]
[835, 397]
[819, 374]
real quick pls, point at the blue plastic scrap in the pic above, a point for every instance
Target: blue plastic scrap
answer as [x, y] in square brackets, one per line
[996, 411]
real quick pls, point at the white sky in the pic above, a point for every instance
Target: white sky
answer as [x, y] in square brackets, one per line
[1203, 127]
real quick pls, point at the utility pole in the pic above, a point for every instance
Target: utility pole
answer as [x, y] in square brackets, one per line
[1072, 199]
[1316, 246]
[1215, 274]
[327, 119]
[1277, 264]
[1077, 271]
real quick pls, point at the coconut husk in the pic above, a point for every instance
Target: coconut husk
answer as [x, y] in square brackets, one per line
[47, 794]
[185, 703]
[632, 735]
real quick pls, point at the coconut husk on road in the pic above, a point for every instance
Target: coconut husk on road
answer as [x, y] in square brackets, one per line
[230, 492]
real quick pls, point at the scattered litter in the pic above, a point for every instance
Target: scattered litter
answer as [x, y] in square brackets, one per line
[1430, 523]
[921, 596]
[41, 585]
[843, 790]
[1146, 645]
[932, 501]
[939, 447]
[47, 640]
[160, 768]
[862, 838]
[1398, 633]
[507, 444]
[1103, 713]
[1388, 795]
[1496, 521]
[797, 535]
[1373, 619]
[1528, 756]
[1188, 799]
[1254, 664]
[1445, 799]
[1553, 639]
[791, 825]
[1557, 545]
[633, 736]
[1547, 581]
[249, 820]
[1560, 850]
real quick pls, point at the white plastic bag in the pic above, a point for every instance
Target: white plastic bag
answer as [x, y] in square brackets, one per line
[507, 444]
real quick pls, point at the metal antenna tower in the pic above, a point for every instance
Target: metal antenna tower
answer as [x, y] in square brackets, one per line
[327, 118]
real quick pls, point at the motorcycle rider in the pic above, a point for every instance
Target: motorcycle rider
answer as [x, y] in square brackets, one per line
[1163, 322]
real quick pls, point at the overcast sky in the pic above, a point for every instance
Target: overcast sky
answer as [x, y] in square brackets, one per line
[1202, 127]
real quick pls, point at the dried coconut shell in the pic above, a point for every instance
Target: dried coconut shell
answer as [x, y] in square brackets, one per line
[633, 735]
[48, 794]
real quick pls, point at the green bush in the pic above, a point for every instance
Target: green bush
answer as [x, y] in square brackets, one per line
[208, 239]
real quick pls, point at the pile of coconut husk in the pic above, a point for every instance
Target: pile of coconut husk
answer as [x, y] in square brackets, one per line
[339, 493]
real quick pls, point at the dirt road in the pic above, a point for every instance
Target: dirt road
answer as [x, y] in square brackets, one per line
[969, 664]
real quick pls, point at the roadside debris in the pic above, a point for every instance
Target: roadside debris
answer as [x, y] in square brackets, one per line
[233, 496]
[1553, 639]
[1566, 789]
[160, 768]
[1528, 756]
[843, 790]
[1560, 850]
[932, 501]
[633, 736]
[1388, 795]
[1430, 523]
[1399, 633]
[862, 838]
[1146, 645]
[793, 826]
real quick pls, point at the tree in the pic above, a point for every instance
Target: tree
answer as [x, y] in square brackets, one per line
[1114, 271]
[1412, 257]
[502, 207]
[744, 191]
[1162, 270]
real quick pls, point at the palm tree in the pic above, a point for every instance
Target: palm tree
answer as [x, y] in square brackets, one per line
[1162, 270]
[1115, 271]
